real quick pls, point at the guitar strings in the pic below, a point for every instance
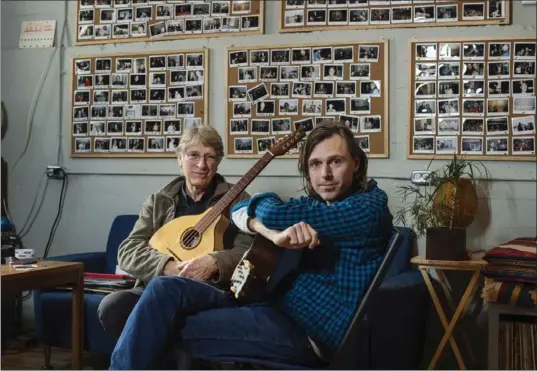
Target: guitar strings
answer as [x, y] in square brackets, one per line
[191, 236]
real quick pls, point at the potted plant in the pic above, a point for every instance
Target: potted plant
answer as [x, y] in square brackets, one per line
[442, 210]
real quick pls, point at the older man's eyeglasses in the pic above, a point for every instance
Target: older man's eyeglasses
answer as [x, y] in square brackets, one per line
[209, 158]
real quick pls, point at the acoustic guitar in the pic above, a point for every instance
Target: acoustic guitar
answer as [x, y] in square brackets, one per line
[191, 236]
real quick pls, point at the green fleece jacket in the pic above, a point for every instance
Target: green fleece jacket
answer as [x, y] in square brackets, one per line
[138, 259]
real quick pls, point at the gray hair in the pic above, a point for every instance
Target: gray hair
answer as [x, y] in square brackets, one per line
[204, 134]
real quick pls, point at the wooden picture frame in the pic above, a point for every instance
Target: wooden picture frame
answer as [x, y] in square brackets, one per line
[330, 15]
[298, 82]
[140, 21]
[137, 104]
[473, 97]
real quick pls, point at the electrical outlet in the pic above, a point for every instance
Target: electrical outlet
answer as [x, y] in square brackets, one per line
[55, 172]
[420, 177]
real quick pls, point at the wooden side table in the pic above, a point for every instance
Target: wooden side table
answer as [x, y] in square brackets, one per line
[474, 265]
[49, 274]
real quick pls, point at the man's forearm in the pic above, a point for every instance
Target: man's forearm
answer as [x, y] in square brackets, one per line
[256, 226]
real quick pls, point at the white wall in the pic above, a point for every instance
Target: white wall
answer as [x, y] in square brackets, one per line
[100, 189]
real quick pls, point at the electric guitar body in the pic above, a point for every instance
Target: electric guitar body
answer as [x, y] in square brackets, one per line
[261, 270]
[191, 236]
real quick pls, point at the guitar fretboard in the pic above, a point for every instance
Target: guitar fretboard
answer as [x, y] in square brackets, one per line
[233, 193]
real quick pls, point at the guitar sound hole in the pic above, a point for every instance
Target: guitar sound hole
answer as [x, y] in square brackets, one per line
[190, 239]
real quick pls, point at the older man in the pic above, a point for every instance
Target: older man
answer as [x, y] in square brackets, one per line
[345, 222]
[199, 153]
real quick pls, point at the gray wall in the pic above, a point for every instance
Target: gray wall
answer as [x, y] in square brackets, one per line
[100, 189]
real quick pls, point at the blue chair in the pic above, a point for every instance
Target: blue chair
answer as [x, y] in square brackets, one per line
[388, 329]
[52, 308]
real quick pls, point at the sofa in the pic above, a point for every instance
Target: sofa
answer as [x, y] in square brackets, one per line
[393, 330]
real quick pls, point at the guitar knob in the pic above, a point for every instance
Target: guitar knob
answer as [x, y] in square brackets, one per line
[248, 265]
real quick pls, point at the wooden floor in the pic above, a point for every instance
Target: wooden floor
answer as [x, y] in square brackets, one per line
[25, 353]
[34, 358]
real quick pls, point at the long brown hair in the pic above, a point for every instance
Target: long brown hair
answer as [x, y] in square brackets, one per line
[321, 133]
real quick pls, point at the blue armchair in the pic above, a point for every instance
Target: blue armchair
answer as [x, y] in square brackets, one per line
[52, 308]
[395, 325]
[393, 330]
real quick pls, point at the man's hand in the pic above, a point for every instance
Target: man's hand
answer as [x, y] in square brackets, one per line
[296, 237]
[171, 268]
[202, 268]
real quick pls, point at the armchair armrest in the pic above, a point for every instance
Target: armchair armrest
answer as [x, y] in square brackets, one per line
[398, 319]
[94, 262]
[409, 279]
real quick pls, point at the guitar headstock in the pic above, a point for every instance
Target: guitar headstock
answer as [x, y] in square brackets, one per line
[286, 143]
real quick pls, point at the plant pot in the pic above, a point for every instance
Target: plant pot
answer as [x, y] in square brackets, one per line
[444, 243]
[459, 202]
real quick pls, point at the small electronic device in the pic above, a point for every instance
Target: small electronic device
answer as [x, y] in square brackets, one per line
[24, 253]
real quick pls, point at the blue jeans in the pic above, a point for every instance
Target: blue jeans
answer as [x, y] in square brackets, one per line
[206, 323]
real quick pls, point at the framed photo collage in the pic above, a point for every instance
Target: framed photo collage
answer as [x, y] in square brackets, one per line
[118, 21]
[137, 105]
[319, 15]
[474, 97]
[273, 90]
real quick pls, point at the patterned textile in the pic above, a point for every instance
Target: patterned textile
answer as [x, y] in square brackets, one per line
[333, 277]
[524, 248]
[510, 293]
[513, 261]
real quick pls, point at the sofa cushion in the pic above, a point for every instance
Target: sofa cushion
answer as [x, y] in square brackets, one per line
[120, 230]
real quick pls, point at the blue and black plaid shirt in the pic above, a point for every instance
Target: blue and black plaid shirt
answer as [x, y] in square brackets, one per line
[333, 277]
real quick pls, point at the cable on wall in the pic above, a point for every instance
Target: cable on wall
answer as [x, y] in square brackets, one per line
[56, 222]
[29, 222]
[27, 227]
[33, 107]
[61, 79]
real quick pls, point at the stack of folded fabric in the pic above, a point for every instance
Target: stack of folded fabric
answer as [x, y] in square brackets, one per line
[511, 275]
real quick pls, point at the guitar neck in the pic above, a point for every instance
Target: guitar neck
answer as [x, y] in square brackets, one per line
[233, 193]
